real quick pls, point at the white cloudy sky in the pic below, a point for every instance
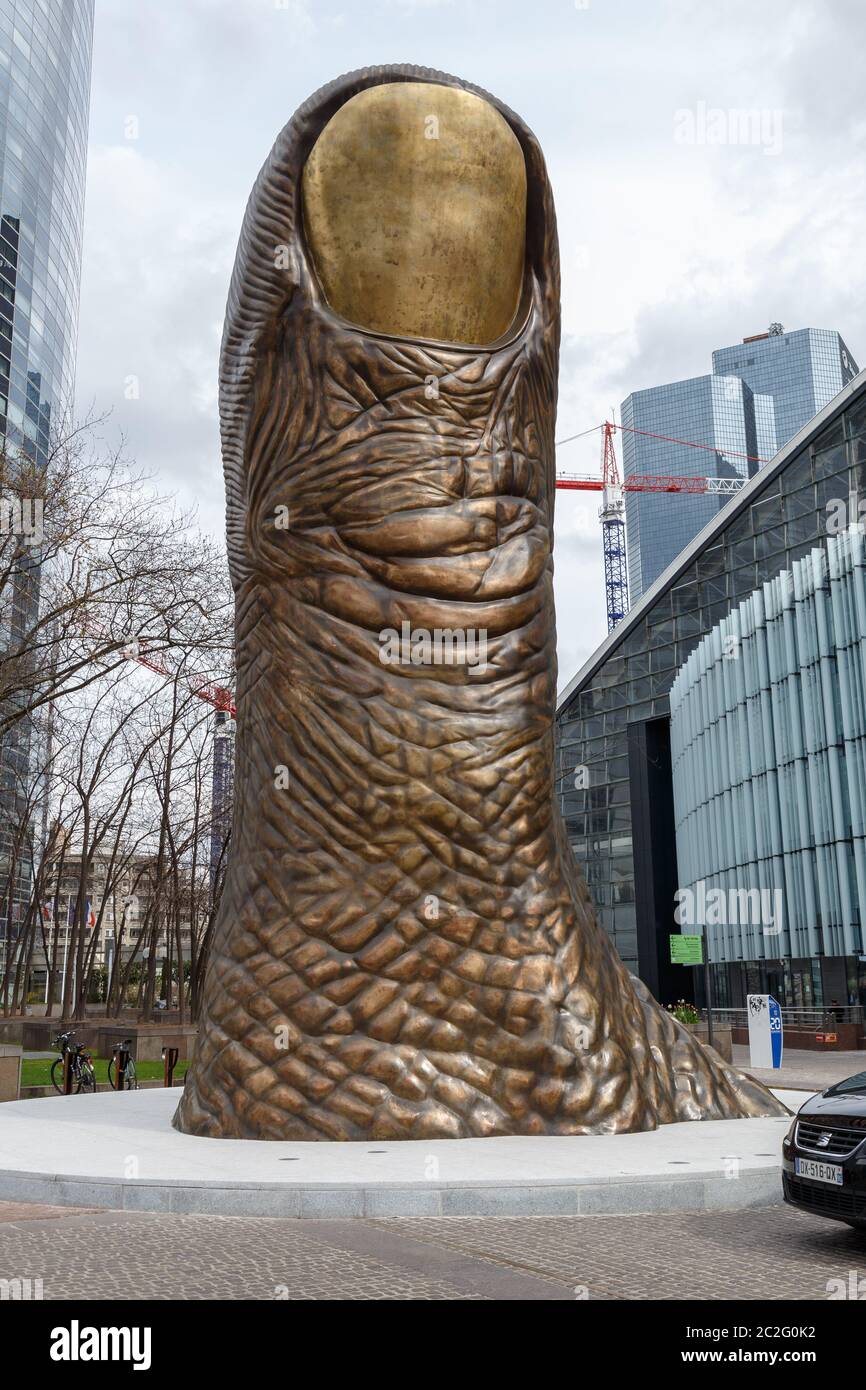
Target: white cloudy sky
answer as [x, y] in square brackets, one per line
[668, 249]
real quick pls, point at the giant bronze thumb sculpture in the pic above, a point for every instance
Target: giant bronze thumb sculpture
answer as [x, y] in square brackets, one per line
[405, 947]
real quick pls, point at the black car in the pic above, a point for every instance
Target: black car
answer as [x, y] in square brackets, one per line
[824, 1154]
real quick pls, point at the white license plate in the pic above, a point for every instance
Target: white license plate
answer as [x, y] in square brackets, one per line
[815, 1171]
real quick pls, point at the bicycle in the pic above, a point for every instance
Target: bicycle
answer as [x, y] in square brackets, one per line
[80, 1065]
[130, 1076]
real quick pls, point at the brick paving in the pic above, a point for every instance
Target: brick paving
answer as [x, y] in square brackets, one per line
[804, 1070]
[771, 1253]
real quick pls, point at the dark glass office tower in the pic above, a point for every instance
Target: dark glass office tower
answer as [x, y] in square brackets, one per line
[45, 57]
[760, 393]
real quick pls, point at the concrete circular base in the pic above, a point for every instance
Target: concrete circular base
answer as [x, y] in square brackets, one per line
[120, 1151]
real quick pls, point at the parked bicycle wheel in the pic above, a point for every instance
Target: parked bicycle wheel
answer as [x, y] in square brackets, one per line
[83, 1075]
[130, 1079]
[86, 1076]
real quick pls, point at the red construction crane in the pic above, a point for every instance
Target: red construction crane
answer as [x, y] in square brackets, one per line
[216, 695]
[612, 511]
[646, 482]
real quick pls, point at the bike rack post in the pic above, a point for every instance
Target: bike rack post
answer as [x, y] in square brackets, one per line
[67, 1072]
[121, 1061]
[169, 1057]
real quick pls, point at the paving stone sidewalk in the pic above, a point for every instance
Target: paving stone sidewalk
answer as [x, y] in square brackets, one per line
[812, 1071]
[770, 1253]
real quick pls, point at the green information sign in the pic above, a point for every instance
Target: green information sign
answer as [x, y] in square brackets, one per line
[687, 950]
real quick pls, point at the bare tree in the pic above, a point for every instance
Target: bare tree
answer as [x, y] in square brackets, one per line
[111, 567]
[100, 576]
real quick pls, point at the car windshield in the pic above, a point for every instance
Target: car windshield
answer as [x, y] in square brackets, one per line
[852, 1083]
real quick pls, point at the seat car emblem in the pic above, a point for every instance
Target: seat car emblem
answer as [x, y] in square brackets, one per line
[824, 1139]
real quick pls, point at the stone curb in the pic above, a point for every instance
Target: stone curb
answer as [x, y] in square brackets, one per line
[42, 1092]
[693, 1193]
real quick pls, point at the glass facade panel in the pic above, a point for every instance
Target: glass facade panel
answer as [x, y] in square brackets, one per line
[650, 646]
[784, 871]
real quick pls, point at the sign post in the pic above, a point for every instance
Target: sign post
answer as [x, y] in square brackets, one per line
[765, 1031]
[689, 950]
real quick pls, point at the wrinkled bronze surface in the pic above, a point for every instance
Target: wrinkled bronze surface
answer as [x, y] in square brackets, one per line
[414, 209]
[405, 947]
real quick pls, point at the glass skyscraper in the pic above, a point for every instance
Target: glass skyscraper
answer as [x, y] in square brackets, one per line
[802, 371]
[760, 393]
[614, 766]
[45, 59]
[45, 54]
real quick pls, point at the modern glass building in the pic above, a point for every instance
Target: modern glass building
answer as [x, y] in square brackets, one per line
[768, 751]
[760, 393]
[613, 718]
[45, 55]
[799, 371]
[45, 58]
